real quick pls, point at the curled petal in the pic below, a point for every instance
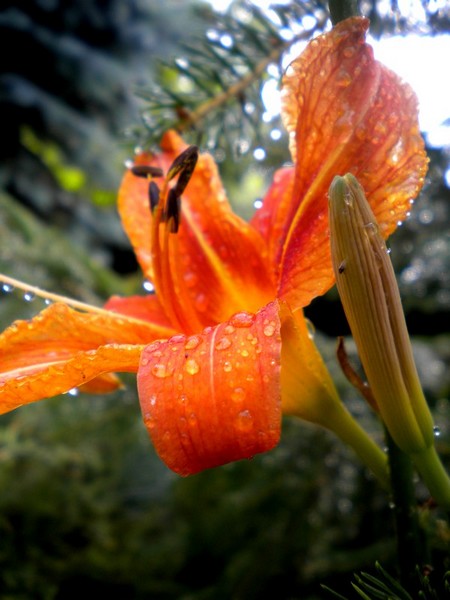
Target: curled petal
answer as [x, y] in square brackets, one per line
[345, 112]
[213, 398]
[62, 348]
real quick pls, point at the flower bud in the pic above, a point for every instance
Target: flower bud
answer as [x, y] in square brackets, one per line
[371, 300]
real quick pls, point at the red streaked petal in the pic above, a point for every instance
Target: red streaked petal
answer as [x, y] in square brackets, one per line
[213, 398]
[219, 261]
[269, 219]
[62, 348]
[144, 308]
[43, 380]
[345, 112]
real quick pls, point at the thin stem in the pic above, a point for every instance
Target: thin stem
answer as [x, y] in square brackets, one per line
[342, 9]
[352, 434]
[77, 304]
[434, 475]
[410, 545]
[236, 90]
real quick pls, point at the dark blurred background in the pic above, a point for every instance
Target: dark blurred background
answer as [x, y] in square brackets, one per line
[86, 508]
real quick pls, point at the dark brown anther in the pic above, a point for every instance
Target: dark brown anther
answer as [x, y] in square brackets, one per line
[173, 209]
[153, 195]
[146, 171]
[185, 163]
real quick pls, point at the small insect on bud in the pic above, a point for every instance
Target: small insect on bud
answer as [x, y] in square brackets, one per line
[146, 171]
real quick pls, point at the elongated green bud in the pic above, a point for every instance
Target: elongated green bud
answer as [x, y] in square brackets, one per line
[370, 296]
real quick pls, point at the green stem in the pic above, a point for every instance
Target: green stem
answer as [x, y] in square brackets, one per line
[342, 9]
[410, 546]
[434, 475]
[353, 435]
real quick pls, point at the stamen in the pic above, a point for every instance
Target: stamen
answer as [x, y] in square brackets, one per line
[185, 162]
[146, 171]
[153, 195]
[172, 213]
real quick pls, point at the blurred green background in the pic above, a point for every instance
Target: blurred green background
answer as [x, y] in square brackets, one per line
[86, 508]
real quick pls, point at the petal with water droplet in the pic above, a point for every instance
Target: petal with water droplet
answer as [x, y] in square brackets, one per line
[62, 348]
[345, 112]
[235, 400]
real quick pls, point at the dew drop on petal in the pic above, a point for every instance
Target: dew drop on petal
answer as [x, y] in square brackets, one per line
[238, 394]
[311, 329]
[223, 343]
[242, 319]
[244, 421]
[269, 329]
[228, 329]
[201, 303]
[192, 342]
[160, 370]
[192, 367]
[227, 366]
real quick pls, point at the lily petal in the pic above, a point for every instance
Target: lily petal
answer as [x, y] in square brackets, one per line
[144, 308]
[62, 348]
[204, 261]
[213, 398]
[345, 112]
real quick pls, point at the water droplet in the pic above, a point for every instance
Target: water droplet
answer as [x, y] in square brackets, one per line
[201, 302]
[73, 392]
[242, 319]
[436, 431]
[372, 228]
[7, 288]
[258, 203]
[311, 329]
[228, 329]
[182, 399]
[29, 296]
[192, 342]
[269, 329]
[259, 153]
[148, 287]
[227, 366]
[153, 400]
[190, 279]
[349, 51]
[244, 421]
[223, 343]
[343, 78]
[238, 394]
[192, 367]
[47, 301]
[160, 370]
[244, 353]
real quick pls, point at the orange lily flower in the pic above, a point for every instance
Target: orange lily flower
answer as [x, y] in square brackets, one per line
[222, 348]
